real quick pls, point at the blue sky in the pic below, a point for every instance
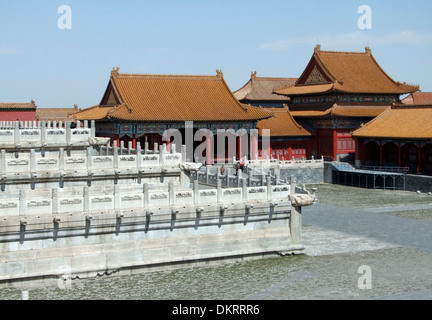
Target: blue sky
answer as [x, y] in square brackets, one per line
[60, 68]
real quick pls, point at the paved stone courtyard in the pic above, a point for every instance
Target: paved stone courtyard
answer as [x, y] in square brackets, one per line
[349, 220]
[393, 218]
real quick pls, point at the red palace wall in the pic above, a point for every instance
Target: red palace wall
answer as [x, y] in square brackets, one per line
[333, 142]
[286, 150]
[18, 115]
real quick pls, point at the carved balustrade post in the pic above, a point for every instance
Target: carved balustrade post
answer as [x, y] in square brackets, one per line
[146, 196]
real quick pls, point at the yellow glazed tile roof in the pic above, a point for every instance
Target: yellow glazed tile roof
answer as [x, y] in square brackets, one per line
[261, 88]
[93, 113]
[399, 121]
[294, 90]
[282, 124]
[357, 110]
[17, 106]
[348, 72]
[418, 98]
[172, 98]
[341, 110]
[311, 113]
[55, 114]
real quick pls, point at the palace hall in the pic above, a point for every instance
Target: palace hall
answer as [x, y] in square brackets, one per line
[337, 93]
[141, 108]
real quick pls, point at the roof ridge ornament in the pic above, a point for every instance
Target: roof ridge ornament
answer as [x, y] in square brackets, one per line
[368, 50]
[253, 74]
[219, 73]
[317, 48]
[115, 72]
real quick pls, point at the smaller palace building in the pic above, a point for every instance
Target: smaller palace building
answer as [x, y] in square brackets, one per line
[56, 114]
[287, 138]
[399, 137]
[147, 109]
[18, 111]
[258, 91]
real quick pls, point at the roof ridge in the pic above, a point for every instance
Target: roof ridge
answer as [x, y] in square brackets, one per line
[89, 108]
[344, 52]
[277, 78]
[412, 106]
[115, 73]
[421, 92]
[318, 50]
[139, 75]
[20, 103]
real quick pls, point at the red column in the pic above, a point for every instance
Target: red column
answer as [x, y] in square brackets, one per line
[335, 144]
[134, 141]
[117, 138]
[239, 148]
[168, 142]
